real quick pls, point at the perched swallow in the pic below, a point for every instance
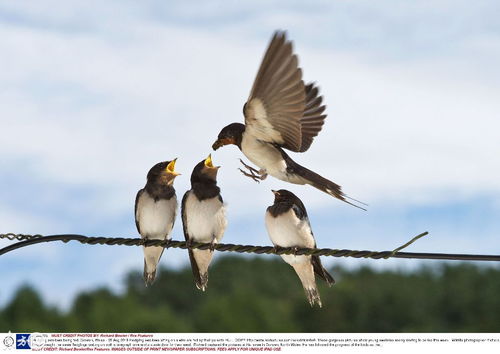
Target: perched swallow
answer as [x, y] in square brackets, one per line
[288, 226]
[203, 217]
[155, 212]
[281, 113]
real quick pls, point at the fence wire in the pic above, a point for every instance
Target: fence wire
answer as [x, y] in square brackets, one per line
[28, 240]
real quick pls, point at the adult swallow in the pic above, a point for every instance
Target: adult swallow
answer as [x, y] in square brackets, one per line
[280, 113]
[155, 212]
[203, 217]
[288, 226]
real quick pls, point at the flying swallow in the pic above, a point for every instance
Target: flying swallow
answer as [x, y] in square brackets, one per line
[281, 113]
[203, 217]
[155, 212]
[288, 226]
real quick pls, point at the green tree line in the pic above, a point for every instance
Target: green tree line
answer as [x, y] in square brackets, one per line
[264, 295]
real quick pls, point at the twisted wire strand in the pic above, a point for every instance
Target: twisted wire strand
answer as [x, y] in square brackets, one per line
[28, 240]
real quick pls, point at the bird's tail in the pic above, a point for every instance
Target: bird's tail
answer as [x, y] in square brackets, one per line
[306, 275]
[321, 271]
[327, 186]
[200, 260]
[312, 295]
[201, 281]
[152, 256]
[149, 275]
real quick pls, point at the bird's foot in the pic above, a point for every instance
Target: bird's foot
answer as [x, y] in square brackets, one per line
[189, 243]
[212, 245]
[250, 168]
[256, 178]
[256, 175]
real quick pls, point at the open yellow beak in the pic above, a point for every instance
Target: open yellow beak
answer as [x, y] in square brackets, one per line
[171, 168]
[208, 162]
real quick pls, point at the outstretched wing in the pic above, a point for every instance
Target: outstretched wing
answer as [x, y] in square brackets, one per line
[281, 109]
[313, 118]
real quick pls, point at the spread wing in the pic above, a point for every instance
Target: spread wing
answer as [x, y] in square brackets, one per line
[313, 118]
[135, 210]
[281, 109]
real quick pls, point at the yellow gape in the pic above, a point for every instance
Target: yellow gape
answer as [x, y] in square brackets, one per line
[171, 168]
[208, 161]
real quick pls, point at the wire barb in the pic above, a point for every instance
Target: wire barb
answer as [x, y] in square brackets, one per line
[28, 240]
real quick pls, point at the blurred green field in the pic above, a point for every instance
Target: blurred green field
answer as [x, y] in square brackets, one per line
[261, 295]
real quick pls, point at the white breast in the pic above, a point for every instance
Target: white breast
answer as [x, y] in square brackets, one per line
[287, 230]
[205, 219]
[264, 155]
[156, 219]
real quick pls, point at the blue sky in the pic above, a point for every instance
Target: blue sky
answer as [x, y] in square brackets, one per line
[93, 94]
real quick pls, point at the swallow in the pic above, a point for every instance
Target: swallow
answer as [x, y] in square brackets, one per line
[203, 218]
[155, 212]
[288, 226]
[280, 113]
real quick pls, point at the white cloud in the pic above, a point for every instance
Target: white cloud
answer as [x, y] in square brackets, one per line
[110, 110]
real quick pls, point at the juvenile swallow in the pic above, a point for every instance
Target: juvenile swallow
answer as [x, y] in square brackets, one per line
[203, 217]
[155, 212]
[280, 113]
[288, 226]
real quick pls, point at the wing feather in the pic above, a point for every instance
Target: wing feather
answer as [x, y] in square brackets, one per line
[281, 109]
[313, 118]
[139, 193]
[192, 260]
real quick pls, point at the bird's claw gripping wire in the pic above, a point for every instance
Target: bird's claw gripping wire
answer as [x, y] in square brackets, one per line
[212, 245]
[28, 240]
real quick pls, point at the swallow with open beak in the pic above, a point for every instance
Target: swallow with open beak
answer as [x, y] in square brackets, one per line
[155, 212]
[281, 113]
[203, 217]
[288, 226]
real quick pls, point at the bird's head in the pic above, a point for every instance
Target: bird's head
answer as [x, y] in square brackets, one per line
[284, 196]
[230, 134]
[163, 173]
[285, 200]
[205, 171]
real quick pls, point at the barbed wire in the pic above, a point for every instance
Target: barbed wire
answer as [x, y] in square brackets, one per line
[28, 240]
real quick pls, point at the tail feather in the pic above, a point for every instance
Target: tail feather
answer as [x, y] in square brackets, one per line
[149, 275]
[306, 275]
[201, 281]
[200, 260]
[327, 186]
[313, 297]
[152, 255]
[321, 271]
[300, 175]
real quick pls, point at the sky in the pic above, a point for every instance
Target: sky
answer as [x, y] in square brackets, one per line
[93, 94]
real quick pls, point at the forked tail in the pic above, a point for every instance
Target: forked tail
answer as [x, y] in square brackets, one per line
[328, 187]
